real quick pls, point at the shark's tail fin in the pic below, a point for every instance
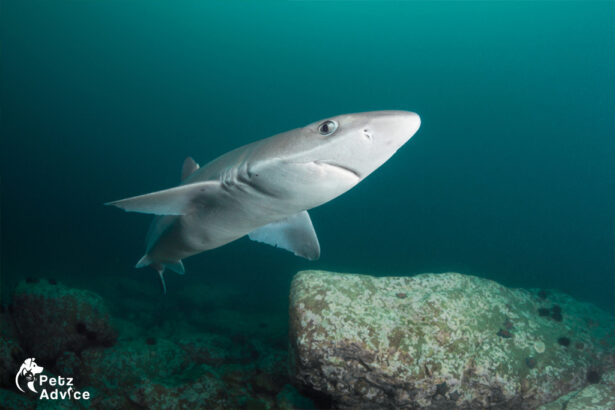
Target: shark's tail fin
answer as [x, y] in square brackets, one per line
[160, 268]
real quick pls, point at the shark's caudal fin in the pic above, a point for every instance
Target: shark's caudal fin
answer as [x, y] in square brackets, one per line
[189, 167]
[177, 267]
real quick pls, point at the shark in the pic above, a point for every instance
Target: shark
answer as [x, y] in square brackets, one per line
[265, 189]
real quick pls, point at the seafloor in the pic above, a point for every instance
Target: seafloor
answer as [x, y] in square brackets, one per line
[205, 346]
[438, 341]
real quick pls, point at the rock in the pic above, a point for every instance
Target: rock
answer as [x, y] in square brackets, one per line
[107, 401]
[128, 363]
[52, 318]
[68, 364]
[204, 391]
[11, 354]
[289, 398]
[598, 396]
[149, 375]
[16, 401]
[271, 369]
[451, 341]
[211, 349]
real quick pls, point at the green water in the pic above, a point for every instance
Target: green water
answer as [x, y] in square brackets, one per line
[510, 177]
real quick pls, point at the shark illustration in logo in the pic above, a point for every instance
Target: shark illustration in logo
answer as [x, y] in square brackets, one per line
[29, 370]
[265, 188]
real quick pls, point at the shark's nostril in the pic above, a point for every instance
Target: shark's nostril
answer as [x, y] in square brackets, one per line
[367, 134]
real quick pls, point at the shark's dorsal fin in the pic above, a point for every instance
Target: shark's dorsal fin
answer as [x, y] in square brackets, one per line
[295, 233]
[173, 201]
[189, 167]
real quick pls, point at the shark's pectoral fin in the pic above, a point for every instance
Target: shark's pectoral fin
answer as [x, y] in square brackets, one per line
[173, 201]
[295, 233]
[189, 167]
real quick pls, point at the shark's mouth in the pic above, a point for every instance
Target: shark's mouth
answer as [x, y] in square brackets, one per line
[340, 167]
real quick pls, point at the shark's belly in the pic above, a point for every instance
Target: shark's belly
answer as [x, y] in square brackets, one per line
[216, 224]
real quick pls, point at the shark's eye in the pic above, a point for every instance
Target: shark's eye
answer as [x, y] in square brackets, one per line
[327, 128]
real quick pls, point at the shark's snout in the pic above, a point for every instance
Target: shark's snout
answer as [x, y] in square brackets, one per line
[393, 128]
[412, 122]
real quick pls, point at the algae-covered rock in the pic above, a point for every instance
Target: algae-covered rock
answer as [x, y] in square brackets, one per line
[441, 341]
[599, 395]
[128, 363]
[10, 400]
[211, 349]
[11, 354]
[204, 391]
[51, 318]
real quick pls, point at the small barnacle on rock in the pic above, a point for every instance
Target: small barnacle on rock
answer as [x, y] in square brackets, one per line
[564, 341]
[539, 346]
[504, 333]
[593, 376]
[31, 279]
[401, 295]
[542, 294]
[544, 312]
[530, 362]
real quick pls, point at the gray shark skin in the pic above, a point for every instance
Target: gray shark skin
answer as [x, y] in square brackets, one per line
[265, 188]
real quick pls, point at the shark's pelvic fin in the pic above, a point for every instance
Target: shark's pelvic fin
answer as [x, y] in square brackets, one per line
[173, 201]
[189, 167]
[295, 233]
[177, 267]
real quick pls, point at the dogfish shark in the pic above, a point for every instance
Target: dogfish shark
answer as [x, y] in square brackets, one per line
[265, 189]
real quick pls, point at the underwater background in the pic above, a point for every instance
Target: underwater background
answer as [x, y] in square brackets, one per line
[510, 177]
